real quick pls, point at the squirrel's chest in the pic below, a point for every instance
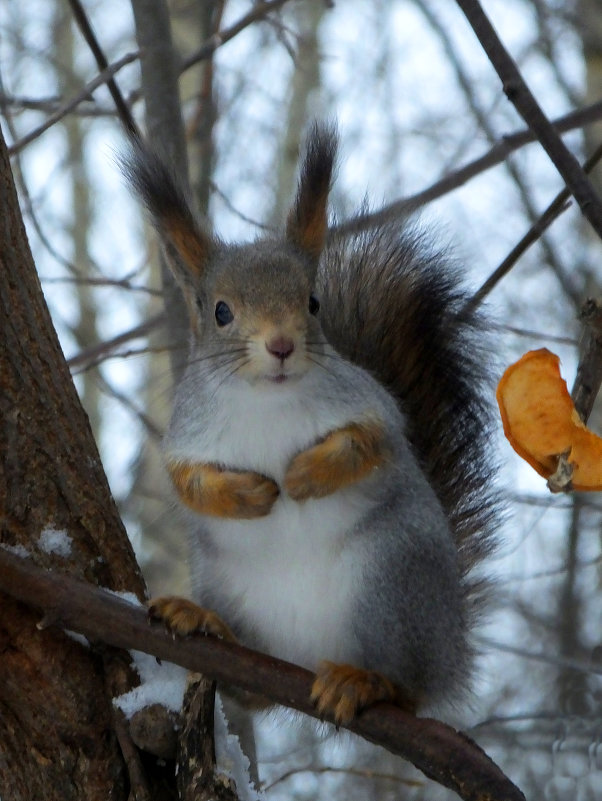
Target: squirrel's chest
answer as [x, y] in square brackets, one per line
[259, 431]
[287, 579]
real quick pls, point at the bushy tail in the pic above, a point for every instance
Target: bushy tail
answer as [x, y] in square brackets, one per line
[394, 306]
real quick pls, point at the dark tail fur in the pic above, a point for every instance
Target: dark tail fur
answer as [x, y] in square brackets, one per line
[395, 307]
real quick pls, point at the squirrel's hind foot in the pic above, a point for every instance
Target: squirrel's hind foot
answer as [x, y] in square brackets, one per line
[343, 691]
[183, 617]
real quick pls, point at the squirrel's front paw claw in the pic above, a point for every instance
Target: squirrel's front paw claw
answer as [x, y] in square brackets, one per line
[183, 617]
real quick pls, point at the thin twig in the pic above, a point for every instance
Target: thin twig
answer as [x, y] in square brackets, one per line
[554, 210]
[519, 94]
[122, 283]
[208, 48]
[557, 661]
[365, 773]
[455, 180]
[122, 107]
[101, 349]
[84, 94]
[487, 127]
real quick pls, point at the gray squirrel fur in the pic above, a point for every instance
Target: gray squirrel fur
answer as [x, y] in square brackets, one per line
[379, 573]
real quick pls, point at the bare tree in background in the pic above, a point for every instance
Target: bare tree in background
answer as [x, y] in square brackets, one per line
[407, 125]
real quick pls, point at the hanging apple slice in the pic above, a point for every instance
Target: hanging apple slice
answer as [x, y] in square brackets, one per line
[541, 423]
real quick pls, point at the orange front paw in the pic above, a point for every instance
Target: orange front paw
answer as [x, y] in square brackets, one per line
[309, 475]
[211, 490]
[344, 457]
[183, 617]
[342, 691]
[246, 495]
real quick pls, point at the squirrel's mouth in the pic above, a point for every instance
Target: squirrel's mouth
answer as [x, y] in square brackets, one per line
[278, 378]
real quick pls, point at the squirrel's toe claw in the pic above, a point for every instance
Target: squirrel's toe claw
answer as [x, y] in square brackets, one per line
[342, 691]
[183, 617]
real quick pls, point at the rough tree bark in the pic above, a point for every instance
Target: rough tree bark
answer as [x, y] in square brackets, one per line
[56, 727]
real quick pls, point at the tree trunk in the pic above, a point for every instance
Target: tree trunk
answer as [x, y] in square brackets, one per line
[79, 224]
[165, 132]
[165, 544]
[56, 726]
[305, 83]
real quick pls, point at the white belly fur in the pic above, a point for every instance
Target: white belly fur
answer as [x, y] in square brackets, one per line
[289, 577]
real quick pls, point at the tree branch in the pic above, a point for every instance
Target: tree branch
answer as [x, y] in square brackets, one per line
[589, 372]
[106, 348]
[458, 178]
[259, 11]
[85, 93]
[519, 94]
[442, 753]
[554, 210]
[587, 384]
[122, 107]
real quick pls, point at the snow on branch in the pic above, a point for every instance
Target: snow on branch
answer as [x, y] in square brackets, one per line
[443, 754]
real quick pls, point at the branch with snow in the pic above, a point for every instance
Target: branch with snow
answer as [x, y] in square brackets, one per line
[443, 754]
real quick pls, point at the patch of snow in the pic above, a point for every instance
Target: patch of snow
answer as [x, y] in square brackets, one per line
[55, 541]
[130, 597]
[74, 635]
[231, 759]
[159, 684]
[18, 550]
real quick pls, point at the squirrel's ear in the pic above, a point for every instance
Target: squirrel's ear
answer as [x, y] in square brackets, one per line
[157, 187]
[307, 221]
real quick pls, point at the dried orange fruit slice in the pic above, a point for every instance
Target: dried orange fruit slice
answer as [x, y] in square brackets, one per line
[540, 420]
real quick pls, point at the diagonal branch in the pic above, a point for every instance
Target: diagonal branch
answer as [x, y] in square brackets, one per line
[84, 94]
[122, 107]
[554, 210]
[506, 145]
[520, 95]
[442, 753]
[105, 348]
[259, 11]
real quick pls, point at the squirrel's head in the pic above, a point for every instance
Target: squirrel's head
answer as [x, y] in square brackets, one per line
[253, 304]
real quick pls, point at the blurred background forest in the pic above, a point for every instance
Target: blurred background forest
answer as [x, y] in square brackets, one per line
[416, 100]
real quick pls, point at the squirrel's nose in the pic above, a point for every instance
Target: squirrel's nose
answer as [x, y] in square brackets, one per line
[280, 347]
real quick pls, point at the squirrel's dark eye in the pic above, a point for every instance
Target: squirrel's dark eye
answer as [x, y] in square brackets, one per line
[223, 315]
[314, 304]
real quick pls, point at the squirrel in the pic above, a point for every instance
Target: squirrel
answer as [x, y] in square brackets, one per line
[329, 444]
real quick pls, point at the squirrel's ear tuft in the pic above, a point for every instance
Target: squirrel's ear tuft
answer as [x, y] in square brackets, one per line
[157, 186]
[307, 222]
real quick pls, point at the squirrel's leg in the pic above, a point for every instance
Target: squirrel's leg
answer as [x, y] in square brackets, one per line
[343, 690]
[344, 456]
[183, 617]
[212, 490]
